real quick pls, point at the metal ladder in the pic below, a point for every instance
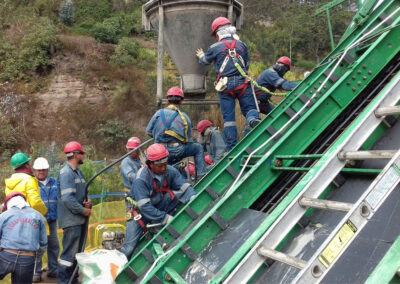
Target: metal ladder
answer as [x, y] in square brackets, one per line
[314, 183]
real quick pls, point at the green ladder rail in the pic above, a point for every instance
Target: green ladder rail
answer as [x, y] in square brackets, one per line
[387, 269]
[279, 223]
[196, 224]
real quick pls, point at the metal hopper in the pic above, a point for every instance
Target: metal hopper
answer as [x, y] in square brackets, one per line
[183, 26]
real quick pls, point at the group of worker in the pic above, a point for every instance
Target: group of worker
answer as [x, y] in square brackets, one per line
[28, 224]
[34, 201]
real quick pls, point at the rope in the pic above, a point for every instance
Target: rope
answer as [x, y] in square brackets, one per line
[254, 82]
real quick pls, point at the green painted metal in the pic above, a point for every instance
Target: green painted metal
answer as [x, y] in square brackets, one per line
[174, 276]
[326, 8]
[274, 215]
[330, 102]
[298, 157]
[387, 268]
[344, 170]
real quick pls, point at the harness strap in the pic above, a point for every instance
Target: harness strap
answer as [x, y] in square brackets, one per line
[230, 54]
[170, 132]
[138, 218]
[242, 87]
[164, 189]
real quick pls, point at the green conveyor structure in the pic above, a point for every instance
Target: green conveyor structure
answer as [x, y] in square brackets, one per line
[249, 176]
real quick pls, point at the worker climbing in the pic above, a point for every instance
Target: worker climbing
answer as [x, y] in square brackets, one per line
[212, 140]
[272, 79]
[172, 128]
[158, 189]
[229, 83]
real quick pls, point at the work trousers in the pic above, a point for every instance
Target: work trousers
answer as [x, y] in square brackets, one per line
[20, 266]
[53, 249]
[72, 241]
[176, 154]
[228, 104]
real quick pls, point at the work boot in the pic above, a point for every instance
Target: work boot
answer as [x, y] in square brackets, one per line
[36, 278]
[254, 122]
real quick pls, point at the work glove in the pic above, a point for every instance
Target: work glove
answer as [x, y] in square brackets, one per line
[168, 219]
[199, 53]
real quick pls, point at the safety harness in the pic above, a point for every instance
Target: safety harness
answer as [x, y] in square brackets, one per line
[235, 56]
[164, 189]
[133, 212]
[132, 208]
[168, 124]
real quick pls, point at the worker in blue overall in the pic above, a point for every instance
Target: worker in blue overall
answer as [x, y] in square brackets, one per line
[72, 210]
[212, 140]
[273, 80]
[131, 164]
[158, 190]
[230, 84]
[172, 128]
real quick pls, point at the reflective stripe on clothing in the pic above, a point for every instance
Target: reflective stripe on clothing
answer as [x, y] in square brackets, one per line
[65, 263]
[229, 123]
[68, 190]
[143, 201]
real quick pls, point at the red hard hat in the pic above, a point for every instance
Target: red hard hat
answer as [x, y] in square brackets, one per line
[133, 142]
[208, 160]
[191, 169]
[11, 195]
[202, 125]
[156, 152]
[285, 60]
[175, 91]
[218, 22]
[73, 146]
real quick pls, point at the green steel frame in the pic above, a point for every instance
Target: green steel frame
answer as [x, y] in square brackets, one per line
[197, 223]
[386, 271]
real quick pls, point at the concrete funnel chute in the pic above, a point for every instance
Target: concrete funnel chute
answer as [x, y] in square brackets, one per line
[186, 27]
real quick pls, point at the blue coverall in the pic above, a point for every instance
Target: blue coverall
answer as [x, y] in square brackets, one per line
[217, 53]
[155, 206]
[177, 149]
[271, 80]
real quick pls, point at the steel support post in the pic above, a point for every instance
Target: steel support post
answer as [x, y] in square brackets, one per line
[160, 52]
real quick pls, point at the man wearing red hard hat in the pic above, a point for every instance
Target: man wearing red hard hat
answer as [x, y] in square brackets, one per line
[158, 190]
[73, 209]
[229, 83]
[212, 140]
[172, 127]
[131, 164]
[272, 79]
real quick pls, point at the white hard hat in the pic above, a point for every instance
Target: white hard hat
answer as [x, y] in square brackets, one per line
[41, 164]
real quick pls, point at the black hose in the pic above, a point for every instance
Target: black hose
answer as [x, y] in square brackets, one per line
[86, 225]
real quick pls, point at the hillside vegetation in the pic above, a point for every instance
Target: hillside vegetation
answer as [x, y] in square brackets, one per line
[100, 47]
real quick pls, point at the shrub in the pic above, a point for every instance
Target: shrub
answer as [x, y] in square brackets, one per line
[112, 133]
[33, 56]
[308, 64]
[66, 13]
[126, 53]
[8, 137]
[105, 32]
